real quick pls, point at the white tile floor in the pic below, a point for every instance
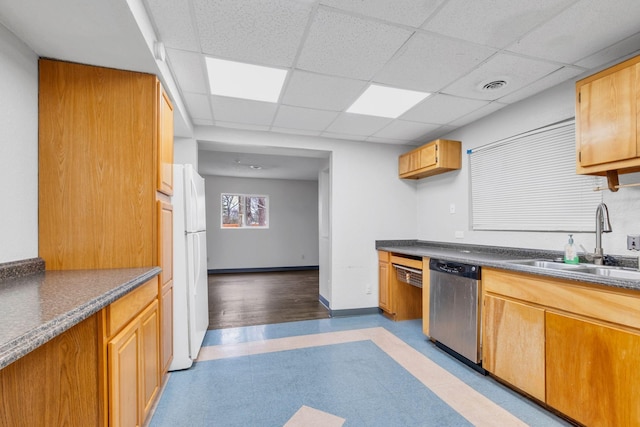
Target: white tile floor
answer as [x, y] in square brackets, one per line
[355, 371]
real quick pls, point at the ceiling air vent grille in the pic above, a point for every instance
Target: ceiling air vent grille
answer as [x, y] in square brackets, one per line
[494, 85]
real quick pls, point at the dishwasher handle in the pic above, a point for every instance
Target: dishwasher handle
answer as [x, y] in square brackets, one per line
[457, 269]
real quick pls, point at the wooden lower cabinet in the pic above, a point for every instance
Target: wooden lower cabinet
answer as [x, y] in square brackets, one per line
[166, 328]
[593, 374]
[134, 372]
[513, 345]
[56, 384]
[573, 346]
[383, 282]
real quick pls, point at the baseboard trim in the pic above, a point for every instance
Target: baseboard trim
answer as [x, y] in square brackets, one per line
[354, 312]
[262, 269]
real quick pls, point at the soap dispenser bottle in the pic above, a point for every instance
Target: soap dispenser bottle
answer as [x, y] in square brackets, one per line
[571, 252]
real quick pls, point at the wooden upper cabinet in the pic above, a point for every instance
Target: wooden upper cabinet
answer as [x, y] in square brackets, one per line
[165, 143]
[607, 131]
[439, 156]
[99, 134]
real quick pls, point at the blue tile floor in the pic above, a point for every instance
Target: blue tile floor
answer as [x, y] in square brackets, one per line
[363, 370]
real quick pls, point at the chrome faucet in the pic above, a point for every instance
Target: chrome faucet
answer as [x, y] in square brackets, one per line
[602, 226]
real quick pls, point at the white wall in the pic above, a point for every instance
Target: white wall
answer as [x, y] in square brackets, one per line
[291, 239]
[185, 152]
[436, 194]
[368, 203]
[18, 149]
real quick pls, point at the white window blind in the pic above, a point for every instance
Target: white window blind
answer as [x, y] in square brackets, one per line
[528, 183]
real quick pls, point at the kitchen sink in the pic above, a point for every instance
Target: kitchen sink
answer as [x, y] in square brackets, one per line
[598, 270]
[548, 264]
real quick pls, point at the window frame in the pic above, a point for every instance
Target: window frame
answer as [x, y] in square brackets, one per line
[242, 200]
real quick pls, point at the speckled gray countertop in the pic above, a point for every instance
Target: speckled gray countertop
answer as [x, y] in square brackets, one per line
[38, 307]
[498, 257]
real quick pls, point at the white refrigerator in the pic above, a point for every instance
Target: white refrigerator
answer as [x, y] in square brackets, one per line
[190, 295]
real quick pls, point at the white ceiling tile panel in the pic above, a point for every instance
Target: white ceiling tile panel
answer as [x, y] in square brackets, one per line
[335, 135]
[198, 105]
[357, 124]
[265, 32]
[401, 129]
[428, 63]
[516, 71]
[438, 133]
[407, 12]
[188, 68]
[496, 23]
[349, 46]
[387, 140]
[321, 91]
[627, 47]
[296, 131]
[441, 109]
[174, 25]
[303, 118]
[582, 30]
[243, 126]
[478, 114]
[546, 82]
[242, 110]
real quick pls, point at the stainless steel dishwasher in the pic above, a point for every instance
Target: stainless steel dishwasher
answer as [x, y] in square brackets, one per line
[454, 311]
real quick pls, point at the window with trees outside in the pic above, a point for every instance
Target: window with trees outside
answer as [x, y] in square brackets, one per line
[244, 211]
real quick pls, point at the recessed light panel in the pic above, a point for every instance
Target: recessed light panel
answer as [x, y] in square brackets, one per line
[384, 101]
[239, 80]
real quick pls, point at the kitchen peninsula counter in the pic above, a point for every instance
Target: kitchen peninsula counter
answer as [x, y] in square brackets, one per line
[40, 306]
[499, 257]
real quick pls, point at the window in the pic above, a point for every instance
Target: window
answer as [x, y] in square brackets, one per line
[244, 211]
[529, 183]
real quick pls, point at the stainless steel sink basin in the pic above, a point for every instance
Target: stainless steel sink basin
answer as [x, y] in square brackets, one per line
[618, 273]
[598, 270]
[548, 264]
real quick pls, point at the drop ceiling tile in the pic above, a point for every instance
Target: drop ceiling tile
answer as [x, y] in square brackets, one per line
[516, 71]
[442, 109]
[242, 126]
[553, 79]
[349, 46]
[429, 62]
[303, 118]
[406, 12]
[379, 140]
[626, 48]
[357, 124]
[336, 135]
[581, 30]
[296, 131]
[242, 111]
[198, 105]
[408, 131]
[478, 114]
[497, 23]
[264, 32]
[321, 91]
[188, 69]
[174, 25]
[435, 134]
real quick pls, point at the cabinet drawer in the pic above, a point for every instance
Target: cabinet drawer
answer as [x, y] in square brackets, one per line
[126, 308]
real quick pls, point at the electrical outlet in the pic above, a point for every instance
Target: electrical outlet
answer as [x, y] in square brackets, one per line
[459, 234]
[368, 289]
[633, 242]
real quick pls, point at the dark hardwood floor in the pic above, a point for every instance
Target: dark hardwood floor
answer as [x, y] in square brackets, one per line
[246, 299]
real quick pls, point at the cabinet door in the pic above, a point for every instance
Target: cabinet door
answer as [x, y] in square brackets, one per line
[124, 377]
[165, 246]
[150, 357]
[428, 156]
[513, 346]
[383, 286]
[592, 375]
[607, 118]
[408, 162]
[165, 143]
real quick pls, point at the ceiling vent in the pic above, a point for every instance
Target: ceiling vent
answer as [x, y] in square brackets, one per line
[494, 85]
